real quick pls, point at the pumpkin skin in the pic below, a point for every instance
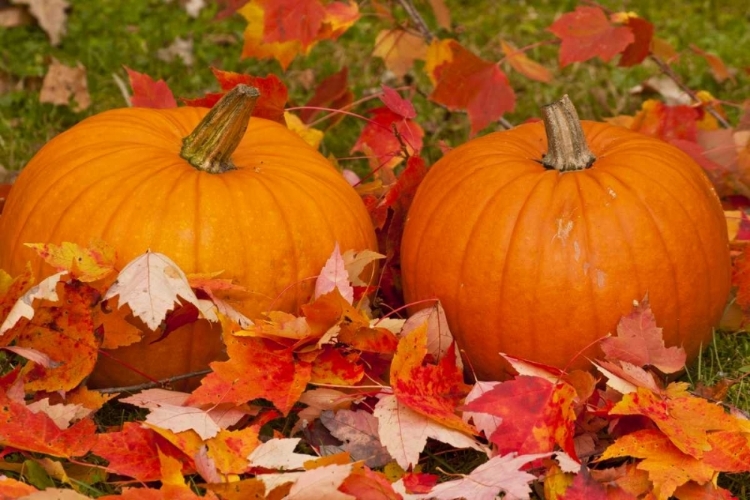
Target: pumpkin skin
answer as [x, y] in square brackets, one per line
[540, 264]
[270, 224]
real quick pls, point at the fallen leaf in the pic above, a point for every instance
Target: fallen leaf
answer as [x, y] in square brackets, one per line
[180, 48]
[63, 83]
[404, 432]
[334, 276]
[23, 307]
[321, 482]
[640, 342]
[359, 432]
[499, 474]
[279, 454]
[310, 135]
[332, 93]
[152, 285]
[51, 17]
[84, 264]
[390, 137]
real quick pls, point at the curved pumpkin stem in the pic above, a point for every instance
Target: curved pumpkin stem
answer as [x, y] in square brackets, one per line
[210, 146]
[566, 142]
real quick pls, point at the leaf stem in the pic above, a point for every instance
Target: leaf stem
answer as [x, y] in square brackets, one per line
[151, 385]
[418, 19]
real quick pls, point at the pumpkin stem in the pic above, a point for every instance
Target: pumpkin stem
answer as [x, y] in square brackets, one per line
[566, 142]
[210, 146]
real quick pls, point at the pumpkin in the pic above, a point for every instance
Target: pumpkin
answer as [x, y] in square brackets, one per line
[252, 200]
[536, 240]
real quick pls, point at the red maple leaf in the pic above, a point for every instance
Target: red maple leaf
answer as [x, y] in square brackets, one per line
[390, 137]
[463, 81]
[148, 93]
[141, 461]
[587, 33]
[270, 104]
[636, 52]
[639, 341]
[332, 92]
[25, 430]
[536, 414]
[667, 122]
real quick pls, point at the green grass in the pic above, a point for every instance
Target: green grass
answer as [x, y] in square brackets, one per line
[105, 36]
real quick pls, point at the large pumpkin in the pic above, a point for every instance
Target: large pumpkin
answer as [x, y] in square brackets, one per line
[537, 247]
[261, 205]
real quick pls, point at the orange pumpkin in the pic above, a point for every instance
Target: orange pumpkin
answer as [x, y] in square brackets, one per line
[261, 205]
[536, 247]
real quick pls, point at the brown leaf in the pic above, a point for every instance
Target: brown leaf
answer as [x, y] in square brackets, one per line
[61, 83]
[51, 16]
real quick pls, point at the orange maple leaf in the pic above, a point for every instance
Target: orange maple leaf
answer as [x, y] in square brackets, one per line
[431, 390]
[284, 28]
[64, 332]
[464, 81]
[256, 368]
[685, 419]
[390, 137]
[587, 33]
[229, 449]
[667, 466]
[399, 49]
[335, 366]
[520, 62]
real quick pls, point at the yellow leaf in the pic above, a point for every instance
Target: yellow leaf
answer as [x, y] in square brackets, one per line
[312, 136]
[399, 49]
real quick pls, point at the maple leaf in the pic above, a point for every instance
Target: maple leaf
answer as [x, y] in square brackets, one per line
[319, 400]
[439, 336]
[273, 93]
[536, 414]
[667, 466]
[38, 432]
[321, 482]
[284, 28]
[334, 275]
[587, 33]
[683, 418]
[220, 292]
[230, 449]
[336, 367]
[12, 488]
[404, 432]
[718, 68]
[432, 390]
[485, 422]
[356, 262]
[643, 31]
[389, 137]
[64, 83]
[463, 81]
[148, 93]
[626, 377]
[143, 444]
[65, 334]
[83, 264]
[254, 370]
[366, 484]
[310, 135]
[666, 122]
[520, 62]
[332, 92]
[152, 284]
[499, 474]
[359, 432]
[23, 306]
[640, 342]
[279, 454]
[168, 410]
[399, 49]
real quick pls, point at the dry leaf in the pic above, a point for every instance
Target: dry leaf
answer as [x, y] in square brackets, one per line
[51, 16]
[181, 48]
[63, 82]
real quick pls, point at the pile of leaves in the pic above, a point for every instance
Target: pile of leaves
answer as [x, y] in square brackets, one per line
[335, 403]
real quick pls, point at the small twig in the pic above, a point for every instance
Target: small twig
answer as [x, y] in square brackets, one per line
[418, 19]
[151, 385]
[667, 70]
